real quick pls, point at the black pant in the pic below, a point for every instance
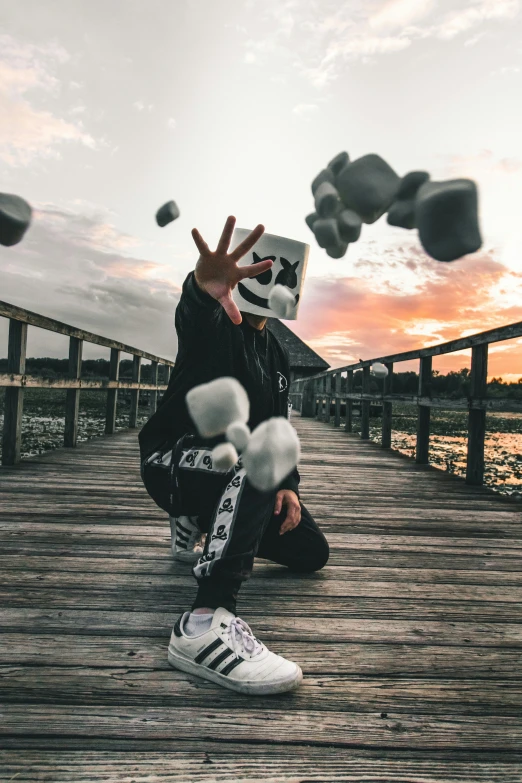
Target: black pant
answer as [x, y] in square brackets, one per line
[239, 520]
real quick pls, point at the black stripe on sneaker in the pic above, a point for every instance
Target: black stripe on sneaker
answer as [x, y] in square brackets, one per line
[232, 665]
[219, 658]
[208, 650]
[182, 536]
[180, 526]
[181, 544]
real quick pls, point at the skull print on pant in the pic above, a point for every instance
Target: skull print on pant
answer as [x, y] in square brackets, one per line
[239, 522]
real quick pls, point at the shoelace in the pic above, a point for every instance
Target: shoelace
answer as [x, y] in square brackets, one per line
[241, 633]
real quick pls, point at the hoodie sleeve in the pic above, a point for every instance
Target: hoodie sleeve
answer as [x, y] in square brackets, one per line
[196, 311]
[292, 482]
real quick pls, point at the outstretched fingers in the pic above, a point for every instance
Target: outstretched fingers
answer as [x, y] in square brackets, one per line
[248, 243]
[231, 309]
[253, 270]
[226, 235]
[200, 242]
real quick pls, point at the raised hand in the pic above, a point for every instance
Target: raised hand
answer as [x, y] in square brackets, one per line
[217, 273]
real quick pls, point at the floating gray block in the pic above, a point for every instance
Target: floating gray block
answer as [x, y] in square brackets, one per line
[310, 220]
[324, 176]
[15, 219]
[446, 214]
[368, 186]
[327, 200]
[402, 213]
[410, 184]
[337, 251]
[167, 213]
[338, 163]
[327, 232]
[350, 225]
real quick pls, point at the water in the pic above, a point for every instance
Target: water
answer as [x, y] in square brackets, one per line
[448, 443]
[43, 422]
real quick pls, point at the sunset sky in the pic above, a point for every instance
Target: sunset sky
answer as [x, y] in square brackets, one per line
[108, 109]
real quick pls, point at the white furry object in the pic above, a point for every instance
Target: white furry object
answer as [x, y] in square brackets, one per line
[379, 370]
[281, 301]
[224, 456]
[272, 453]
[215, 405]
[238, 434]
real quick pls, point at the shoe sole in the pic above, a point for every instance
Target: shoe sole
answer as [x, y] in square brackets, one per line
[179, 661]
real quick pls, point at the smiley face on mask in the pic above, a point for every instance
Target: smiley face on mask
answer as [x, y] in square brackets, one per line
[290, 259]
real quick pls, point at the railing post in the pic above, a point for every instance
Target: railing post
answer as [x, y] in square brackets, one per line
[72, 401]
[476, 417]
[387, 408]
[327, 398]
[337, 391]
[322, 391]
[422, 451]
[299, 396]
[112, 394]
[305, 399]
[166, 374]
[14, 395]
[365, 405]
[135, 393]
[153, 399]
[348, 422]
[318, 383]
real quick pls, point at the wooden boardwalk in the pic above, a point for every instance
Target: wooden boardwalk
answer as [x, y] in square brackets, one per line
[410, 639]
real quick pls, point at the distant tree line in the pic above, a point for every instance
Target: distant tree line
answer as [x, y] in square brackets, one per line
[453, 385]
[93, 369]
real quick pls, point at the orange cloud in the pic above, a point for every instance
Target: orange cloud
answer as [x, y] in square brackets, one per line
[348, 318]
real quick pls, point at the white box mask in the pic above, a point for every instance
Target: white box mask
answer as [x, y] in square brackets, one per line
[290, 259]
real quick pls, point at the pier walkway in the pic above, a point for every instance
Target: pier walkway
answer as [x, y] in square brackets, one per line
[410, 639]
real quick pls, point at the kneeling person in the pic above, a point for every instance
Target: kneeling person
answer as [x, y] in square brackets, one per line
[239, 521]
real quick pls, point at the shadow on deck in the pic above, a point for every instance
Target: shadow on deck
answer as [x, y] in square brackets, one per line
[410, 639]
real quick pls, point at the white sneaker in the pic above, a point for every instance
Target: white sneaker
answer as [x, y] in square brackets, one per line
[230, 655]
[186, 537]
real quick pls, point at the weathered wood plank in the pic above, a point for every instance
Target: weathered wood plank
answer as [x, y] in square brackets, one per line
[386, 426]
[157, 560]
[207, 762]
[135, 394]
[266, 570]
[298, 604]
[359, 630]
[365, 405]
[14, 397]
[72, 402]
[314, 657]
[477, 418]
[313, 727]
[112, 394]
[128, 686]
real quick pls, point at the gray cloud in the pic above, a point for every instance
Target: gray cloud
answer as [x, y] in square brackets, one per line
[61, 271]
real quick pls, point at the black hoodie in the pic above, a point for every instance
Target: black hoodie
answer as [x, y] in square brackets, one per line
[210, 346]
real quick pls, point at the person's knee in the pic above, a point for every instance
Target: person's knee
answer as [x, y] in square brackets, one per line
[315, 559]
[321, 555]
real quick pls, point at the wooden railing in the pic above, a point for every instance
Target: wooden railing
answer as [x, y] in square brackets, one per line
[15, 380]
[314, 396]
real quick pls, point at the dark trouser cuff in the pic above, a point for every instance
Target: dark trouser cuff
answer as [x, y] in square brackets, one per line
[217, 592]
